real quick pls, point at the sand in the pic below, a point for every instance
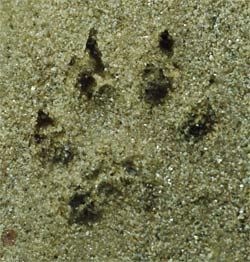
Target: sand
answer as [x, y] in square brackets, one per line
[124, 130]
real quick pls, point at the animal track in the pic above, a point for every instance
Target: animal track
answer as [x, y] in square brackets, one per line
[156, 85]
[94, 51]
[166, 43]
[86, 83]
[199, 122]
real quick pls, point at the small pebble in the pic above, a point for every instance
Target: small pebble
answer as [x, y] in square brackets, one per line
[9, 237]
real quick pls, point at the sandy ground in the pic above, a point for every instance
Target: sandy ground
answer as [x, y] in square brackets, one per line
[124, 130]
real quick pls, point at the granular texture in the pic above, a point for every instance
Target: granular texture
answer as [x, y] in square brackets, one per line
[124, 130]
